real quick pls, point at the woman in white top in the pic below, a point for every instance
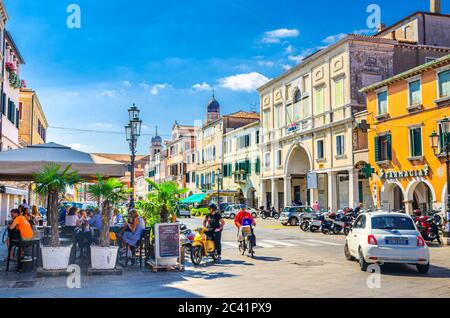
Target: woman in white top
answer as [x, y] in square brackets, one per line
[72, 218]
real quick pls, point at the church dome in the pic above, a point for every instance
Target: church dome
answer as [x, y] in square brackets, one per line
[213, 106]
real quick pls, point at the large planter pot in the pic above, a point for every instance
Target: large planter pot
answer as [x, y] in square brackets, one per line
[104, 257]
[169, 261]
[56, 258]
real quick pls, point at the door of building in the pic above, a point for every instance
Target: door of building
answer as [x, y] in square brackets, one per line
[268, 200]
[297, 195]
[280, 200]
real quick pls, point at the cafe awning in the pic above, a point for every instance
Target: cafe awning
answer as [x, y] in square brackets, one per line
[195, 198]
[21, 164]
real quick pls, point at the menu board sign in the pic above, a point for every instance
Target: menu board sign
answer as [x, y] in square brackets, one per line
[167, 239]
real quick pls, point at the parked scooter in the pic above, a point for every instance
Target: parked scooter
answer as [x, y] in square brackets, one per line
[429, 227]
[272, 213]
[203, 246]
[186, 237]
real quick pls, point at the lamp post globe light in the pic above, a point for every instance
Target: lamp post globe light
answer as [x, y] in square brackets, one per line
[442, 140]
[132, 132]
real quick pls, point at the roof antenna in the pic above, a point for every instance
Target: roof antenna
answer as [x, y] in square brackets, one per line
[156, 134]
[253, 108]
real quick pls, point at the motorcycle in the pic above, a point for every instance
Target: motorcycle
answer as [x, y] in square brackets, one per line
[312, 222]
[264, 214]
[186, 237]
[429, 227]
[202, 246]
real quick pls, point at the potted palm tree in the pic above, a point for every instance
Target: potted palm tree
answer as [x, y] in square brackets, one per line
[164, 199]
[108, 192]
[52, 182]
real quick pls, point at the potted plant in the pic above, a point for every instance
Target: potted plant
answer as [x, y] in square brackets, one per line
[52, 182]
[10, 67]
[164, 199]
[108, 192]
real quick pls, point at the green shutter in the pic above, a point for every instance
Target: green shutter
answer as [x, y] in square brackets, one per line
[389, 147]
[417, 142]
[249, 167]
[236, 166]
[258, 166]
[377, 149]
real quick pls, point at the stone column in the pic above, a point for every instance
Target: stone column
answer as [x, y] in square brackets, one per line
[353, 193]
[262, 194]
[274, 194]
[332, 192]
[287, 190]
[409, 207]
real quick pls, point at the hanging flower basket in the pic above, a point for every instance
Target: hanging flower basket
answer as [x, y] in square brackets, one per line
[10, 67]
[15, 81]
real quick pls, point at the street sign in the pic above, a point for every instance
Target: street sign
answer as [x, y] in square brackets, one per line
[368, 171]
[312, 180]
[167, 240]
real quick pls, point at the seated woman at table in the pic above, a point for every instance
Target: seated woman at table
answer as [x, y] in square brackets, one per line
[133, 229]
[72, 219]
[36, 216]
[117, 218]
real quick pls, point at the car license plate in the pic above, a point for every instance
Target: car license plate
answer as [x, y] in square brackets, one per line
[397, 241]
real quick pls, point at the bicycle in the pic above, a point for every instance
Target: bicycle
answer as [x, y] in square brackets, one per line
[246, 242]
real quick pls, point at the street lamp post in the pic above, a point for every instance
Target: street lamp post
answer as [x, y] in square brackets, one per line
[219, 176]
[444, 139]
[133, 131]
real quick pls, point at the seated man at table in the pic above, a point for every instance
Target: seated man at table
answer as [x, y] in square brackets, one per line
[21, 224]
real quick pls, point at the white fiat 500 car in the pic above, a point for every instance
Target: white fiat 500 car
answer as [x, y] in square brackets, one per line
[382, 237]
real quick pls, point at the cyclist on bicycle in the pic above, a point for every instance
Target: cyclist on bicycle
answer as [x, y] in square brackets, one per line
[244, 218]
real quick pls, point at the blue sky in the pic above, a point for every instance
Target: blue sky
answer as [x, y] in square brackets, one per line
[166, 56]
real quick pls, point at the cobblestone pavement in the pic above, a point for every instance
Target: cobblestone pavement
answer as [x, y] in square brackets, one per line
[288, 263]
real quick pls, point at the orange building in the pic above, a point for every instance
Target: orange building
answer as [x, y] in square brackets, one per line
[403, 111]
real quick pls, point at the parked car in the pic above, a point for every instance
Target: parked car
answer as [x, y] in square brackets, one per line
[382, 237]
[291, 215]
[183, 210]
[200, 210]
[223, 207]
[233, 209]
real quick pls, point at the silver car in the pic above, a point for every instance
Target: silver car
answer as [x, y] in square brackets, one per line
[183, 211]
[291, 215]
[233, 209]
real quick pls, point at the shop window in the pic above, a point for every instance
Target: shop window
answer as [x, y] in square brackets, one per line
[414, 93]
[382, 100]
[444, 84]
[415, 142]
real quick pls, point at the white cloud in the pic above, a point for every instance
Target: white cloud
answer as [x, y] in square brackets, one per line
[126, 83]
[296, 58]
[101, 125]
[266, 63]
[275, 36]
[286, 67]
[201, 87]
[156, 88]
[244, 82]
[336, 37]
[106, 93]
[289, 49]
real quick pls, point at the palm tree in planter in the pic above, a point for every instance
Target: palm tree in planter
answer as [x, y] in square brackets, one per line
[164, 197]
[108, 192]
[52, 182]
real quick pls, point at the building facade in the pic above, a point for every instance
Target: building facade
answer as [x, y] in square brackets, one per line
[210, 146]
[11, 85]
[179, 151]
[307, 119]
[33, 123]
[241, 162]
[403, 111]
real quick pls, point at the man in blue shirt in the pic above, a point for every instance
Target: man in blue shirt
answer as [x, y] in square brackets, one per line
[96, 220]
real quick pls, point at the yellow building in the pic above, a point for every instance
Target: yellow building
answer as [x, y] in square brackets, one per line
[403, 111]
[33, 123]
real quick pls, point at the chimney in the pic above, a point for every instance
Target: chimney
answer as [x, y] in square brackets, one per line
[435, 6]
[381, 27]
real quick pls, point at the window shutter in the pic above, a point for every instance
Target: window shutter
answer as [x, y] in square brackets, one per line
[389, 146]
[258, 166]
[417, 142]
[377, 149]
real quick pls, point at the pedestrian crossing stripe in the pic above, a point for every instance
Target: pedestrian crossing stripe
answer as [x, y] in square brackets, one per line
[302, 243]
[282, 243]
[324, 242]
